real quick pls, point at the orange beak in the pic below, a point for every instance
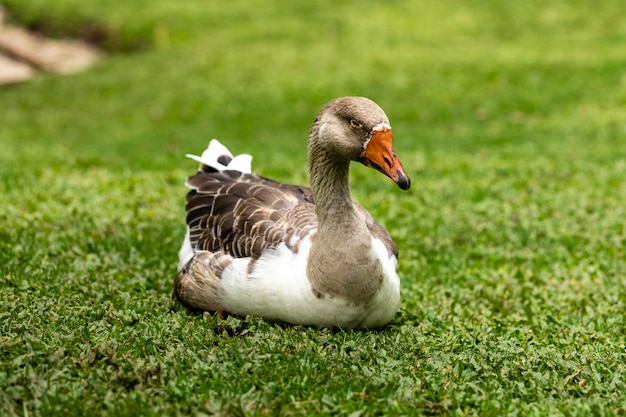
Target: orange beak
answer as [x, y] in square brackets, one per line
[379, 154]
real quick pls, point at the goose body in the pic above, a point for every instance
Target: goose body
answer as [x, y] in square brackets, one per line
[304, 256]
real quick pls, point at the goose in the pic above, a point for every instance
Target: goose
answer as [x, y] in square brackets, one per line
[306, 256]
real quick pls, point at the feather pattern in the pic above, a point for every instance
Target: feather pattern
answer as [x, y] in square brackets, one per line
[244, 214]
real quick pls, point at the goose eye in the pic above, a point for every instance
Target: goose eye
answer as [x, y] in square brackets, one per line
[355, 124]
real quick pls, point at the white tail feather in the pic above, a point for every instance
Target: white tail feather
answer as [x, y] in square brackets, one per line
[215, 150]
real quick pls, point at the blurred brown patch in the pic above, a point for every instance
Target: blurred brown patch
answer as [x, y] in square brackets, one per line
[24, 53]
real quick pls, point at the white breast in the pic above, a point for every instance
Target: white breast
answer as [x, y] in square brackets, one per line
[277, 287]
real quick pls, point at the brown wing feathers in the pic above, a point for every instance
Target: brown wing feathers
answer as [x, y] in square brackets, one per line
[243, 214]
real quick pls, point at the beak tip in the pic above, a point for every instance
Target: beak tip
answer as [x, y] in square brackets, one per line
[404, 182]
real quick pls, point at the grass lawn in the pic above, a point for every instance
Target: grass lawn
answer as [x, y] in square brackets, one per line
[510, 118]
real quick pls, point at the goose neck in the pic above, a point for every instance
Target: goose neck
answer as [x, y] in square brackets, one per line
[329, 179]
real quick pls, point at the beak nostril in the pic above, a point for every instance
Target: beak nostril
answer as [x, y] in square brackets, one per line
[387, 161]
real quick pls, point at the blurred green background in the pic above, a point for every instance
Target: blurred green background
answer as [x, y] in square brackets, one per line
[509, 117]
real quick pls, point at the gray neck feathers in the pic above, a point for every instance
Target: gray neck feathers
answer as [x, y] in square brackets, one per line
[340, 263]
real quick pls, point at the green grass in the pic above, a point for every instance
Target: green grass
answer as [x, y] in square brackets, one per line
[510, 119]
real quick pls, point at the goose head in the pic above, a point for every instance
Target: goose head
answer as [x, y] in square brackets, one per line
[357, 129]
